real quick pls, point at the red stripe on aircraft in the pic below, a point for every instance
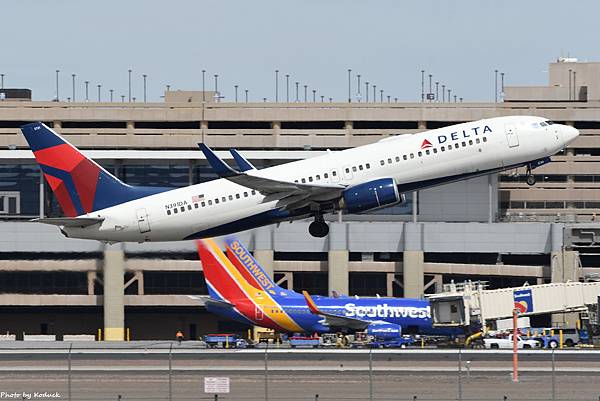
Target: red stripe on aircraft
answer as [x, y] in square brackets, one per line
[85, 177]
[62, 194]
[63, 157]
[242, 269]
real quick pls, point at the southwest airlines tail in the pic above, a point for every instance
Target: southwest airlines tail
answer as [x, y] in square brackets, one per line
[250, 269]
[81, 186]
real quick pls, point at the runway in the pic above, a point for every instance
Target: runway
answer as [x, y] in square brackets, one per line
[152, 371]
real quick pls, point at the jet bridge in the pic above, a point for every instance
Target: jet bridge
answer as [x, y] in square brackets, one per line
[470, 304]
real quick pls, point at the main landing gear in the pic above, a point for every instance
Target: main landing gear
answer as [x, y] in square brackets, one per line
[318, 228]
[530, 178]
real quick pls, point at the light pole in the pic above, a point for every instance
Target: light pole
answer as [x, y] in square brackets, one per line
[502, 85]
[437, 92]
[129, 71]
[297, 91]
[217, 87]
[389, 97]
[443, 93]
[314, 95]
[305, 96]
[496, 86]
[236, 93]
[111, 94]
[367, 92]
[87, 97]
[57, 97]
[144, 76]
[73, 81]
[122, 98]
[246, 95]
[99, 89]
[422, 86]
[449, 98]
[381, 95]
[287, 88]
[429, 93]
[1, 81]
[276, 86]
[358, 86]
[322, 98]
[374, 93]
[349, 85]
[203, 87]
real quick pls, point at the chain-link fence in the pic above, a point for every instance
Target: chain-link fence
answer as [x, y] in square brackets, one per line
[172, 372]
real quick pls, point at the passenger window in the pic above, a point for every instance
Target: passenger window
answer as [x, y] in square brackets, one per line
[382, 162]
[182, 208]
[347, 170]
[325, 175]
[237, 196]
[175, 210]
[354, 169]
[230, 197]
[216, 201]
[295, 180]
[427, 152]
[317, 177]
[412, 155]
[245, 194]
[223, 199]
[389, 161]
[303, 180]
[210, 202]
[420, 154]
[404, 157]
[477, 140]
[253, 192]
[443, 149]
[470, 142]
[368, 166]
[360, 167]
[464, 144]
[397, 159]
[434, 150]
[309, 180]
[189, 207]
[334, 173]
[450, 147]
[196, 205]
[169, 212]
[484, 139]
[203, 204]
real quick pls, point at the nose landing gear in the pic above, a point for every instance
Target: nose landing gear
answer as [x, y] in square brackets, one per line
[318, 228]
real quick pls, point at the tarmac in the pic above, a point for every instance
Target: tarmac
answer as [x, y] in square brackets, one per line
[168, 371]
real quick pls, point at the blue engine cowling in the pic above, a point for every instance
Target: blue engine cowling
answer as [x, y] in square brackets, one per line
[384, 330]
[371, 195]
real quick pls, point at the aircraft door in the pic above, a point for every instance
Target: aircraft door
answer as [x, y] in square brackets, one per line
[511, 135]
[142, 219]
[258, 313]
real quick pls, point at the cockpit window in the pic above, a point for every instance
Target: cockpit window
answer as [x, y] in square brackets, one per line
[549, 122]
[543, 124]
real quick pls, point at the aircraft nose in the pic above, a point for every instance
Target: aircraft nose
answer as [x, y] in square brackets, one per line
[569, 134]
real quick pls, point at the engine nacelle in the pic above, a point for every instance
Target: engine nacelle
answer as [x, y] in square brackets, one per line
[384, 330]
[371, 195]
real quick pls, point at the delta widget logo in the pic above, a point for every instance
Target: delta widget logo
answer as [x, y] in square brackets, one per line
[426, 144]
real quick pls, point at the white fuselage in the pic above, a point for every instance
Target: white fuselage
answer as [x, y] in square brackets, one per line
[476, 147]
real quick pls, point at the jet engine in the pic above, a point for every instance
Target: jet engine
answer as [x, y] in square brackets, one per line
[371, 195]
[384, 330]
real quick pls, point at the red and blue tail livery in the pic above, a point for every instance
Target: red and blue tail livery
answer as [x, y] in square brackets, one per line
[80, 185]
[240, 289]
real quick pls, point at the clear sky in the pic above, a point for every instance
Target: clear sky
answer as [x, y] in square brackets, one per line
[388, 42]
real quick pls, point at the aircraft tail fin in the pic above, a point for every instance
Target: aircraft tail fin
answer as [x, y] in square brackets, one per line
[241, 161]
[80, 185]
[249, 268]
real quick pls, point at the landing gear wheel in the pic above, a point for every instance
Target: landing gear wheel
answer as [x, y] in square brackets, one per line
[318, 228]
[530, 180]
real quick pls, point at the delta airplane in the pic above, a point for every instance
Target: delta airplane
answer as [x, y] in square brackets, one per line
[240, 290]
[99, 206]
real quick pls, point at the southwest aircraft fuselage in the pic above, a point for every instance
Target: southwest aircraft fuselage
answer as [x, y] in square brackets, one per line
[413, 162]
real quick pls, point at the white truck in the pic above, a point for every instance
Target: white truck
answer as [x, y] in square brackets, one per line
[507, 343]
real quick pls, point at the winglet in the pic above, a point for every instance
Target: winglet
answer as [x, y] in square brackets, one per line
[314, 309]
[241, 161]
[218, 165]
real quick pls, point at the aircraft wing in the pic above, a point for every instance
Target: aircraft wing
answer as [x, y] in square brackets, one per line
[69, 221]
[241, 161]
[264, 185]
[335, 320]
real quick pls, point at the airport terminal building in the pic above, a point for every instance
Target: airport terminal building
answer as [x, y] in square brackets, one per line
[494, 228]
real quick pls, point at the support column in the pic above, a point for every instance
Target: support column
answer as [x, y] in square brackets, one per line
[338, 258]
[414, 260]
[263, 248]
[564, 266]
[91, 280]
[114, 309]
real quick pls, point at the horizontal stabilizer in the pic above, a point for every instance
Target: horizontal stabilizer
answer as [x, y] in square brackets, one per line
[220, 304]
[70, 221]
[241, 161]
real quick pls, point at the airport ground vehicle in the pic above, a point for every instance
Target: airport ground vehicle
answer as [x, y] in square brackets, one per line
[304, 342]
[399, 342]
[225, 341]
[522, 343]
